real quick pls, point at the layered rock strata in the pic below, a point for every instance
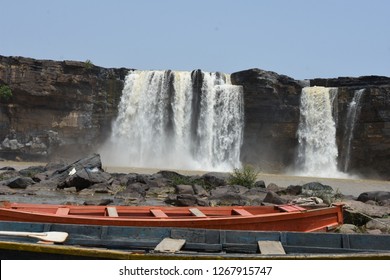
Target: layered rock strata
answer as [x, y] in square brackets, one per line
[56, 108]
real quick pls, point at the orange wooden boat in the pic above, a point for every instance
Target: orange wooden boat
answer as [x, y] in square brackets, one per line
[258, 218]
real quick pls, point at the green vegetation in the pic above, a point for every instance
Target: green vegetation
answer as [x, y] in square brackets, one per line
[88, 64]
[5, 92]
[246, 176]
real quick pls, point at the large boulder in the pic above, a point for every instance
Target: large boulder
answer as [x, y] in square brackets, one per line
[81, 174]
[377, 196]
[20, 182]
[274, 198]
[315, 188]
[216, 179]
[228, 195]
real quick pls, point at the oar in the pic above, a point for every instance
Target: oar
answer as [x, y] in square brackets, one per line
[52, 236]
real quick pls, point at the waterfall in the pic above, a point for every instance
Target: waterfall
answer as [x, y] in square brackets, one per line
[181, 120]
[317, 152]
[349, 126]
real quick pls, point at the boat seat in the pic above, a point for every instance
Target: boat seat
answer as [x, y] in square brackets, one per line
[196, 212]
[170, 245]
[62, 211]
[158, 213]
[112, 212]
[271, 247]
[241, 212]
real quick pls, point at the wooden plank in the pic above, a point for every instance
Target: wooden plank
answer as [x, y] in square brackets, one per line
[242, 212]
[62, 211]
[158, 213]
[271, 248]
[196, 212]
[169, 245]
[111, 211]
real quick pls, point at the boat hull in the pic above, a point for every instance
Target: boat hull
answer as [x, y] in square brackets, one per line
[260, 218]
[111, 242]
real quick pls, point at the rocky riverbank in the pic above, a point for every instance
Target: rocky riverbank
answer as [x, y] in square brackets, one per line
[85, 182]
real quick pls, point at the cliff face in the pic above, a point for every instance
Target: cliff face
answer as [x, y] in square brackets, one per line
[65, 109]
[370, 145]
[57, 108]
[272, 118]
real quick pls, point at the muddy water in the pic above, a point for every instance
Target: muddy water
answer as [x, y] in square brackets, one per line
[346, 186]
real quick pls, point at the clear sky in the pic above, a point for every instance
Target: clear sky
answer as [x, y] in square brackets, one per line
[299, 38]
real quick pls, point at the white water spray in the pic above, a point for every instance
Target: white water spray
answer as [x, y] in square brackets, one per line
[167, 121]
[317, 154]
[350, 123]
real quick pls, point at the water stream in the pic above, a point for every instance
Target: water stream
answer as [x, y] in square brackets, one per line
[183, 120]
[317, 153]
[349, 127]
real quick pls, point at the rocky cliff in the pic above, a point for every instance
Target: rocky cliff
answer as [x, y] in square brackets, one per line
[272, 118]
[370, 146]
[65, 109]
[56, 108]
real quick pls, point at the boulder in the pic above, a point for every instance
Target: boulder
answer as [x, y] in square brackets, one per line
[382, 224]
[307, 201]
[259, 184]
[348, 229]
[186, 200]
[184, 189]
[32, 171]
[377, 196]
[133, 191]
[20, 182]
[315, 188]
[99, 202]
[84, 178]
[360, 213]
[228, 195]
[255, 195]
[127, 179]
[171, 175]
[274, 188]
[200, 191]
[81, 174]
[274, 198]
[294, 190]
[216, 179]
[6, 175]
[7, 168]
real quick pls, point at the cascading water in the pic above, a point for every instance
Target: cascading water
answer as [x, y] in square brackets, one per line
[317, 153]
[182, 120]
[350, 123]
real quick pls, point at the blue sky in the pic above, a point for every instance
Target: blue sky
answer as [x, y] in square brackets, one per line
[301, 39]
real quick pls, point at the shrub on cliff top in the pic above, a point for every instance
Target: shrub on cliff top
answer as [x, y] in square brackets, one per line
[88, 64]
